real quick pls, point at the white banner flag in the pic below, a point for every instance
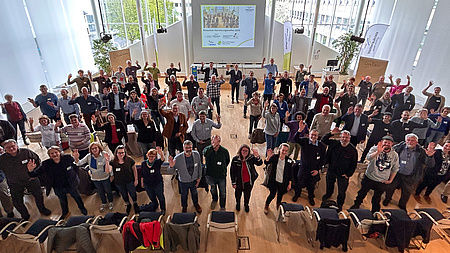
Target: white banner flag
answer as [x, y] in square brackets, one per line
[156, 44]
[287, 45]
[374, 35]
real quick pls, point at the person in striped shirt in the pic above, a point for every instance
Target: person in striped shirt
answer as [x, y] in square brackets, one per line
[78, 133]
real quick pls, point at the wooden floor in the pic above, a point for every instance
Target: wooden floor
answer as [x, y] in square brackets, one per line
[260, 228]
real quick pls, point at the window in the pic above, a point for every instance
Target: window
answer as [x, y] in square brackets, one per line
[324, 40]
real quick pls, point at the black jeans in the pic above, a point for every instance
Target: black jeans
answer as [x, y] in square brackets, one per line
[156, 191]
[216, 101]
[378, 188]
[17, 192]
[249, 96]
[430, 182]
[353, 140]
[309, 183]
[253, 123]
[246, 189]
[278, 189]
[185, 188]
[370, 143]
[342, 183]
[407, 186]
[127, 189]
[234, 89]
[175, 144]
[21, 124]
[62, 195]
[201, 146]
[120, 115]
[267, 97]
[113, 146]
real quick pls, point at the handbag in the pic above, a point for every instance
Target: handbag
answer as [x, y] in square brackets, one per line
[267, 172]
[257, 136]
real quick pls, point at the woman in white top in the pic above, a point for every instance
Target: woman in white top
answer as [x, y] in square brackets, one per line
[272, 128]
[99, 170]
[47, 129]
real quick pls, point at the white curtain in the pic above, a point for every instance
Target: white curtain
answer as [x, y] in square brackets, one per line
[63, 42]
[381, 12]
[402, 40]
[20, 63]
[435, 56]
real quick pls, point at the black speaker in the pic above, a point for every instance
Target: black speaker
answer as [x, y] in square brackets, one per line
[106, 38]
[161, 30]
[357, 39]
[300, 30]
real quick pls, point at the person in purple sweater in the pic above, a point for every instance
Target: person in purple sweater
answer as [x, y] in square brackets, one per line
[294, 126]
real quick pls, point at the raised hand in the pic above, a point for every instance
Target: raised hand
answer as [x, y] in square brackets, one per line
[269, 153]
[94, 118]
[408, 77]
[380, 147]
[31, 165]
[137, 62]
[431, 149]
[75, 154]
[336, 105]
[430, 83]
[245, 96]
[107, 156]
[74, 96]
[439, 119]
[171, 161]
[69, 76]
[266, 103]
[255, 152]
[287, 114]
[31, 120]
[335, 130]
[350, 110]
[209, 100]
[58, 123]
[301, 125]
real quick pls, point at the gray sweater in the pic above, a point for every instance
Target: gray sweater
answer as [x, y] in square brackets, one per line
[180, 166]
[381, 167]
[272, 123]
[422, 132]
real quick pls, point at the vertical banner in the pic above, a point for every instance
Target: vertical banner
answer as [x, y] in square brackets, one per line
[156, 44]
[374, 35]
[287, 45]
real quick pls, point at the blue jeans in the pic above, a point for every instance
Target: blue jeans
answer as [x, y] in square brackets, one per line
[156, 191]
[435, 136]
[222, 184]
[126, 189]
[62, 195]
[184, 188]
[158, 118]
[270, 141]
[104, 190]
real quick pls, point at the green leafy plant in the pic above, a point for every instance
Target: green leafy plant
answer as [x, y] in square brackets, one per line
[101, 54]
[347, 51]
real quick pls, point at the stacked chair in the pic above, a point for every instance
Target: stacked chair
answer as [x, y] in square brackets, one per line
[222, 221]
[332, 230]
[182, 229]
[300, 214]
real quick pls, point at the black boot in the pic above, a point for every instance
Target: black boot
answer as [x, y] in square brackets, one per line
[136, 207]
[128, 208]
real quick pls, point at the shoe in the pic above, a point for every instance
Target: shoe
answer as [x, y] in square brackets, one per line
[418, 199]
[136, 207]
[128, 208]
[246, 208]
[311, 201]
[249, 136]
[295, 198]
[84, 212]
[266, 209]
[386, 202]
[25, 218]
[198, 208]
[10, 215]
[26, 142]
[222, 209]
[232, 101]
[238, 207]
[427, 199]
[213, 205]
[111, 206]
[46, 212]
[354, 207]
[444, 198]
[102, 207]
[184, 210]
[64, 216]
[237, 101]
[245, 116]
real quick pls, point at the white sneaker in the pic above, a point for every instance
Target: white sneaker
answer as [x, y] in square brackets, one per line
[102, 207]
[111, 206]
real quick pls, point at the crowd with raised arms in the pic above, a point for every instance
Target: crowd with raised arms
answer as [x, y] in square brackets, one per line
[323, 124]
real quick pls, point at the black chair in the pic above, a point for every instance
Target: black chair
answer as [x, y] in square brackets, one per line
[77, 220]
[182, 218]
[285, 211]
[10, 224]
[440, 222]
[331, 229]
[367, 224]
[223, 222]
[148, 216]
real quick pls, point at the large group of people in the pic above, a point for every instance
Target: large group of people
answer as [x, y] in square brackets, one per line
[400, 152]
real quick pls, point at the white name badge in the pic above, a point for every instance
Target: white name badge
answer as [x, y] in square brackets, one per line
[207, 128]
[181, 124]
[49, 99]
[363, 124]
[438, 101]
[351, 103]
[69, 168]
[121, 100]
[117, 169]
[89, 103]
[24, 161]
[326, 121]
[445, 122]
[386, 130]
[318, 157]
[407, 128]
[219, 163]
[118, 129]
[403, 162]
[407, 101]
[196, 164]
[152, 171]
[272, 120]
[79, 133]
[148, 127]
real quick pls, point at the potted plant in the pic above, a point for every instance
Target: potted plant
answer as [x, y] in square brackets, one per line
[101, 54]
[347, 49]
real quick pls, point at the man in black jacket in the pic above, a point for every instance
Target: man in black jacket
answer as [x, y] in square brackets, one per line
[209, 71]
[116, 103]
[192, 87]
[235, 80]
[404, 126]
[380, 129]
[403, 101]
[251, 85]
[312, 160]
[356, 123]
[413, 162]
[342, 159]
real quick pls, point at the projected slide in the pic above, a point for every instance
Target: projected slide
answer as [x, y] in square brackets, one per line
[228, 25]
